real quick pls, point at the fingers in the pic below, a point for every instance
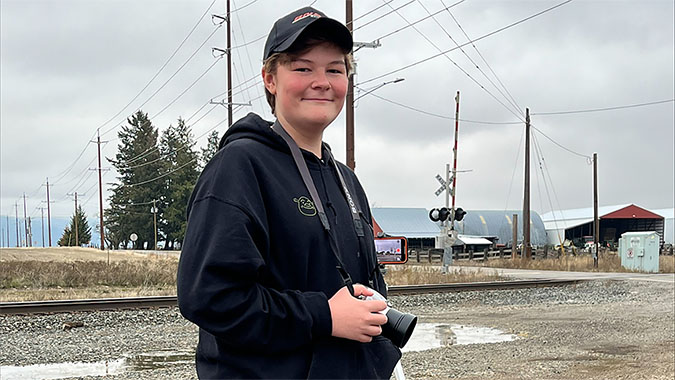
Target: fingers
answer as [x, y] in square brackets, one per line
[362, 290]
[375, 306]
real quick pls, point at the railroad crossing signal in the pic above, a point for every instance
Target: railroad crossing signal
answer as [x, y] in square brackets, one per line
[444, 185]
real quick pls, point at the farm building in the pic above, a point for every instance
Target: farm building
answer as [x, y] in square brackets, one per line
[493, 226]
[576, 224]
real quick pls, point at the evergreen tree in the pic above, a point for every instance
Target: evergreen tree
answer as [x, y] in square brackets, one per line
[211, 148]
[139, 166]
[177, 145]
[83, 231]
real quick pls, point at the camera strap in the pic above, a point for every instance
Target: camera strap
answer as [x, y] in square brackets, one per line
[314, 194]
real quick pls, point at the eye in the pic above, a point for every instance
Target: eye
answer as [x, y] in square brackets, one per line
[301, 69]
[335, 71]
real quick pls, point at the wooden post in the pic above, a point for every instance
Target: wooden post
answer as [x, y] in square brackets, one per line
[229, 66]
[100, 195]
[514, 229]
[527, 251]
[596, 221]
[351, 162]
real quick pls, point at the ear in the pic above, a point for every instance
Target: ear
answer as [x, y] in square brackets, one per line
[269, 81]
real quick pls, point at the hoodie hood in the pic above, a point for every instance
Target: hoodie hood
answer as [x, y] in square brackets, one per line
[254, 127]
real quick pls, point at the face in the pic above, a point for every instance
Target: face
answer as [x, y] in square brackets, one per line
[310, 90]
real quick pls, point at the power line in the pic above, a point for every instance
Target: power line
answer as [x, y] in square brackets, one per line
[416, 22]
[515, 167]
[561, 146]
[555, 194]
[606, 109]
[370, 11]
[188, 88]
[383, 16]
[466, 43]
[243, 6]
[67, 170]
[455, 63]
[512, 103]
[153, 149]
[162, 67]
[171, 77]
[170, 171]
[250, 61]
[484, 60]
[443, 116]
[70, 167]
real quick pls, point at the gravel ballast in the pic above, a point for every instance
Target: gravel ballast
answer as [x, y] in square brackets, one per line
[593, 330]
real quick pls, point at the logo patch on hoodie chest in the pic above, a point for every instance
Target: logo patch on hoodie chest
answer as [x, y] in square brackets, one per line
[305, 206]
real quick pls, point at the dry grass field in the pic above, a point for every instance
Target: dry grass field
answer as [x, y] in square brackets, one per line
[36, 274]
[607, 262]
[67, 254]
[415, 275]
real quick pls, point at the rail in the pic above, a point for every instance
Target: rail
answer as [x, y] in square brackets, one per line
[67, 306]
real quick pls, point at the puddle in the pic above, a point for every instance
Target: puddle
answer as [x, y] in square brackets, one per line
[433, 335]
[130, 363]
[425, 337]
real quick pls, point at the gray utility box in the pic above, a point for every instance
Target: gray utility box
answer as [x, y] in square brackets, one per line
[640, 251]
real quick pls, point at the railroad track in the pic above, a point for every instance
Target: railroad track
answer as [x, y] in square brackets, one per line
[66, 306]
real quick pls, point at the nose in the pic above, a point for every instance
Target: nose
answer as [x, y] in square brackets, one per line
[320, 81]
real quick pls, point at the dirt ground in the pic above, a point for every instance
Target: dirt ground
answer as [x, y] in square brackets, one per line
[70, 254]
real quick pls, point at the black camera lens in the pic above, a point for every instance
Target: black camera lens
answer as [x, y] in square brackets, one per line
[399, 327]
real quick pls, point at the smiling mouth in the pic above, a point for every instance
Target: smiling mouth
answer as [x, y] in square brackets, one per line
[317, 99]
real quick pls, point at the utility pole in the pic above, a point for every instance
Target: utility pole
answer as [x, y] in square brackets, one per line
[77, 240]
[154, 213]
[596, 221]
[351, 163]
[7, 219]
[100, 191]
[229, 69]
[527, 248]
[16, 220]
[514, 244]
[454, 164]
[30, 231]
[25, 222]
[42, 213]
[49, 216]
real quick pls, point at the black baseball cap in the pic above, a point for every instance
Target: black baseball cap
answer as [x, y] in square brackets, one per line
[288, 28]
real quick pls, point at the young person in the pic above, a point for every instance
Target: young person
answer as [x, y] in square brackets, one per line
[279, 242]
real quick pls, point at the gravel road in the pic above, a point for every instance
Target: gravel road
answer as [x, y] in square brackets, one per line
[594, 330]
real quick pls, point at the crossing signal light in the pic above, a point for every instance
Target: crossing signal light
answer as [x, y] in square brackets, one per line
[459, 214]
[439, 215]
[442, 214]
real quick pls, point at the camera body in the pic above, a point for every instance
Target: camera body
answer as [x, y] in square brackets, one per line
[399, 326]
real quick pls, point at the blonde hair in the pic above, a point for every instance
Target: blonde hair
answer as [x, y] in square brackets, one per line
[284, 58]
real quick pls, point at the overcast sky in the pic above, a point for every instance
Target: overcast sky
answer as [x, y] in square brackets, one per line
[69, 66]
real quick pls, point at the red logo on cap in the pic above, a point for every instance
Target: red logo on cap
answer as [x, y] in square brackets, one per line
[305, 15]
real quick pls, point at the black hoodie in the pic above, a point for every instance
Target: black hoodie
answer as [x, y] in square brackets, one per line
[256, 269]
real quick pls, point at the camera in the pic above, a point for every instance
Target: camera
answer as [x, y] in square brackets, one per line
[399, 326]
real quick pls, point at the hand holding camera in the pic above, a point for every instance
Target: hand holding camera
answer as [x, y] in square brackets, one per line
[349, 320]
[354, 318]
